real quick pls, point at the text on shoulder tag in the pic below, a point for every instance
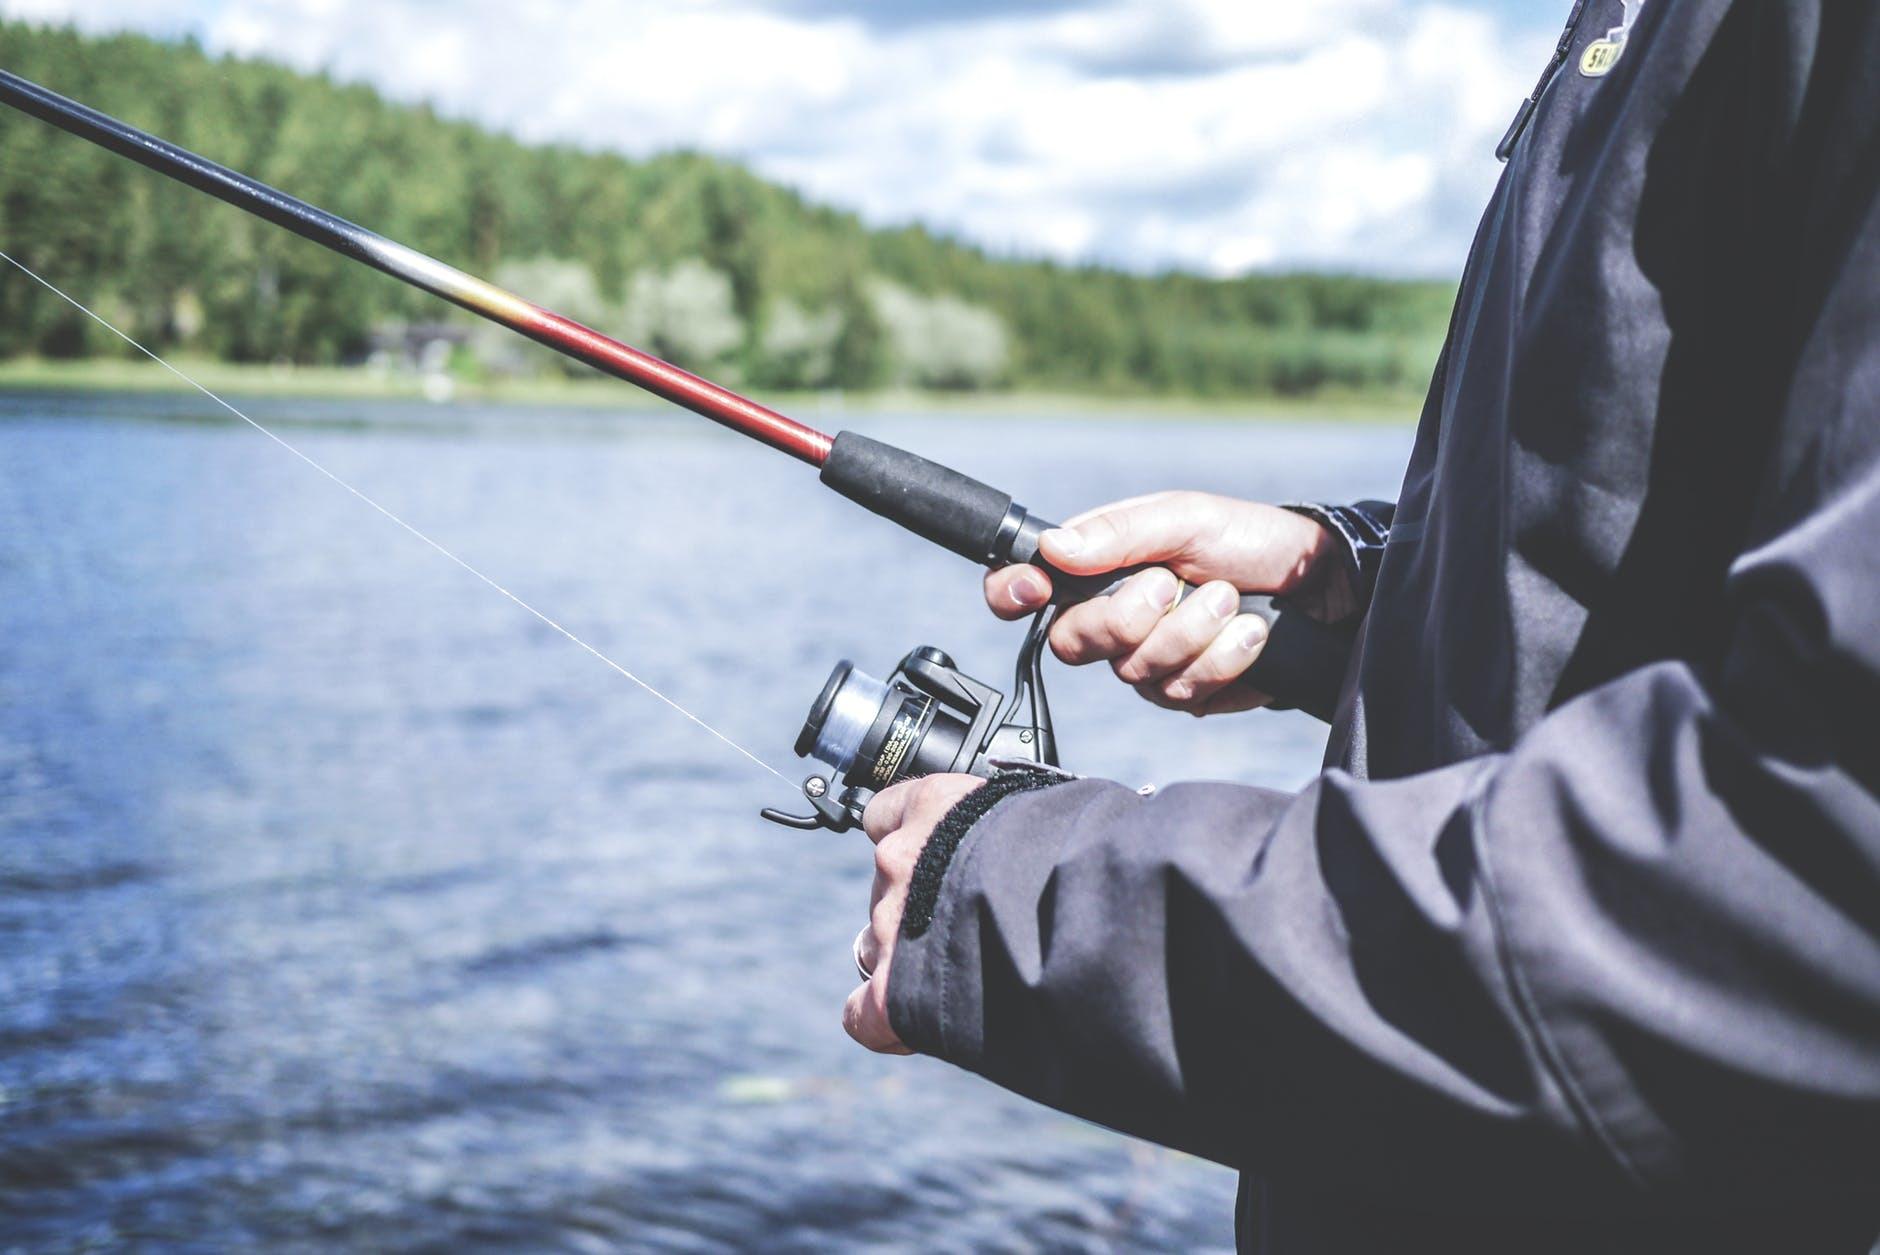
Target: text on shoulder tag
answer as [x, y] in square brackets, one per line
[1600, 56]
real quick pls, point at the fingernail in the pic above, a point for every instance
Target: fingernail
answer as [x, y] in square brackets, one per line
[1064, 540]
[1223, 600]
[1028, 590]
[1250, 633]
[1160, 588]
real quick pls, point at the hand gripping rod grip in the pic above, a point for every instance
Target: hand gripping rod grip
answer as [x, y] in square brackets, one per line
[1302, 664]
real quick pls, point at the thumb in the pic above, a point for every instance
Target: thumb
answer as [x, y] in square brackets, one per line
[1154, 530]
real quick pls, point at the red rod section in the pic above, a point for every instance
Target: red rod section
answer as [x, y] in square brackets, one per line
[681, 387]
[564, 335]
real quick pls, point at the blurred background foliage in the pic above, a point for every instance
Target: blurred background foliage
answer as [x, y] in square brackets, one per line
[689, 256]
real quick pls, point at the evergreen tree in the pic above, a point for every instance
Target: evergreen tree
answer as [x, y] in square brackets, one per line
[778, 290]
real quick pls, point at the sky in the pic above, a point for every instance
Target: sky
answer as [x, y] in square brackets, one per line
[1211, 135]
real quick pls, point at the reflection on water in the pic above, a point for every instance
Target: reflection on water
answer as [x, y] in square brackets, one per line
[344, 905]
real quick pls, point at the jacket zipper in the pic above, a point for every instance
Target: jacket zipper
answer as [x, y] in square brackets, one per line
[1522, 115]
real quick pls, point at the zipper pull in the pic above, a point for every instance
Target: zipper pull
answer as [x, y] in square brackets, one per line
[1525, 113]
[1505, 149]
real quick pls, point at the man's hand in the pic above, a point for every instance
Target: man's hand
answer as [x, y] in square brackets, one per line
[899, 820]
[1186, 656]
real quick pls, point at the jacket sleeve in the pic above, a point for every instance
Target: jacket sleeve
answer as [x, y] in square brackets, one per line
[1362, 530]
[1636, 953]
[1642, 949]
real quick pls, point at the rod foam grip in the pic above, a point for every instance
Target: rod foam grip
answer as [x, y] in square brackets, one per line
[952, 510]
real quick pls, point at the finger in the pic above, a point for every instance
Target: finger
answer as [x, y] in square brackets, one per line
[1233, 649]
[865, 1015]
[896, 854]
[1161, 528]
[1183, 634]
[887, 808]
[885, 906]
[1015, 591]
[1232, 698]
[1078, 520]
[1198, 535]
[1108, 627]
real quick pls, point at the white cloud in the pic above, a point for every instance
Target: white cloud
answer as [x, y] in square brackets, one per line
[1215, 134]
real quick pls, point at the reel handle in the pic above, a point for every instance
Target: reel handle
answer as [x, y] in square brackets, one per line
[1301, 665]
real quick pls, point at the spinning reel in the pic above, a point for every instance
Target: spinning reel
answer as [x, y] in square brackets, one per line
[928, 717]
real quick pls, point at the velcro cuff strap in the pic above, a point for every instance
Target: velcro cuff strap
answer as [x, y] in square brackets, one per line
[931, 868]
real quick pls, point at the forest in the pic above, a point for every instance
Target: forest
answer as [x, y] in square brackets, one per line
[689, 256]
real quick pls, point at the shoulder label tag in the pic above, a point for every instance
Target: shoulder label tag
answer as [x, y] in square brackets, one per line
[1600, 56]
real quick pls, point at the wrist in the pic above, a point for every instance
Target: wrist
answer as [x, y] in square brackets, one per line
[1324, 581]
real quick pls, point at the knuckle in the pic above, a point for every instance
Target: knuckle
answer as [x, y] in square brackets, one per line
[1142, 664]
[1150, 661]
[1206, 674]
[1086, 640]
[903, 848]
[1105, 528]
[1132, 624]
[1202, 623]
[1196, 511]
[1068, 636]
[1218, 669]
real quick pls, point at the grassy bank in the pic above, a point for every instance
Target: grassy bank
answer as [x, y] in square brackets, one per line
[342, 383]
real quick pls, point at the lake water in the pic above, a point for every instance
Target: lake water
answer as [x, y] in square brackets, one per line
[344, 905]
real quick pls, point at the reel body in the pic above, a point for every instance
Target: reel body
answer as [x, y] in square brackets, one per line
[927, 718]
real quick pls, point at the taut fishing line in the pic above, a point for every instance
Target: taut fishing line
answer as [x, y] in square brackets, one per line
[80, 306]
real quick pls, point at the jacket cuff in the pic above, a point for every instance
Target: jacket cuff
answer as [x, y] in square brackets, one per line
[931, 869]
[1362, 529]
[917, 986]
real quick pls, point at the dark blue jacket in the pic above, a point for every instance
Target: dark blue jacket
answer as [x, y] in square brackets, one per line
[1575, 945]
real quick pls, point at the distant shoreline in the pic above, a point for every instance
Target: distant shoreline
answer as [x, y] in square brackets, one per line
[107, 375]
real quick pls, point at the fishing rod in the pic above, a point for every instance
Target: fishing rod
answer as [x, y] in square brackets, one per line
[928, 716]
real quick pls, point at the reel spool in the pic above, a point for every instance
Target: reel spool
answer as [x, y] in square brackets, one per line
[927, 718]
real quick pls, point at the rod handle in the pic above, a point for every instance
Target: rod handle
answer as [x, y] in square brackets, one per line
[1302, 663]
[933, 501]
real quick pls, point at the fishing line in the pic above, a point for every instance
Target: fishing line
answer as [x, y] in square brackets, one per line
[80, 306]
[1301, 664]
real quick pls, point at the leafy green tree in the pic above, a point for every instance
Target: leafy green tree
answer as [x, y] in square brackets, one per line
[707, 262]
